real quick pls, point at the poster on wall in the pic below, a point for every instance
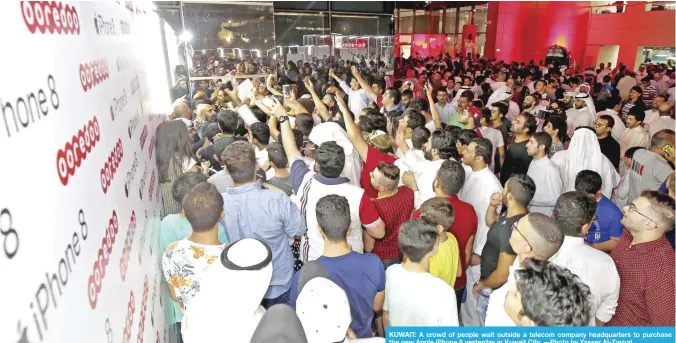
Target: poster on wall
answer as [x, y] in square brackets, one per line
[468, 40]
[79, 204]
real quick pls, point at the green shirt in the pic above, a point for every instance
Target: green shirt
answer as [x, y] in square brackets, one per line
[454, 120]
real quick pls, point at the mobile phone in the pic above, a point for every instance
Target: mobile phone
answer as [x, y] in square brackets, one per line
[668, 149]
[286, 89]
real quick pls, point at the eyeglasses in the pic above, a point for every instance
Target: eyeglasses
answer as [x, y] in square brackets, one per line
[516, 228]
[632, 208]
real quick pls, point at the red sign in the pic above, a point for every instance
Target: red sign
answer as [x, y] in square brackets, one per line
[353, 44]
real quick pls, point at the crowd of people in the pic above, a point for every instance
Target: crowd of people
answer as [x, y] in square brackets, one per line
[344, 198]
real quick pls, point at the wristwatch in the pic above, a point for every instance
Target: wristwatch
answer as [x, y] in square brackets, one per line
[283, 119]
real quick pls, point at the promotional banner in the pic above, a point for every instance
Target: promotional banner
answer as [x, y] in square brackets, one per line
[79, 204]
[468, 39]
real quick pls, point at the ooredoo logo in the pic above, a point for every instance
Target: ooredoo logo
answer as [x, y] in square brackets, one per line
[131, 174]
[110, 167]
[124, 260]
[152, 185]
[150, 148]
[141, 327]
[129, 320]
[50, 16]
[69, 158]
[144, 135]
[99, 270]
[93, 73]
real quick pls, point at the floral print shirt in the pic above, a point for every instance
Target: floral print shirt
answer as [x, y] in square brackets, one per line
[183, 263]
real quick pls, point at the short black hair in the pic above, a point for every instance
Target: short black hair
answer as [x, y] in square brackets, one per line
[662, 205]
[502, 106]
[420, 137]
[184, 183]
[637, 112]
[240, 161]
[260, 132]
[420, 105]
[277, 155]
[552, 295]
[529, 122]
[407, 93]
[629, 153]
[543, 138]
[415, 118]
[610, 120]
[443, 141]
[260, 115]
[211, 130]
[378, 121]
[451, 177]
[588, 181]
[486, 114]
[548, 234]
[484, 149]
[333, 216]
[522, 188]
[573, 210]
[227, 121]
[203, 206]
[298, 136]
[395, 94]
[466, 136]
[417, 238]
[331, 159]
[304, 123]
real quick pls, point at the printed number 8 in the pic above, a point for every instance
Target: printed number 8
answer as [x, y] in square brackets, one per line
[10, 231]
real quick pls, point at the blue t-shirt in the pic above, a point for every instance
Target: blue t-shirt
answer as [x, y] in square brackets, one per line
[607, 223]
[361, 276]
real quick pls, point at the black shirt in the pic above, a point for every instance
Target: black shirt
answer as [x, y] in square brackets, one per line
[611, 148]
[217, 149]
[516, 161]
[497, 241]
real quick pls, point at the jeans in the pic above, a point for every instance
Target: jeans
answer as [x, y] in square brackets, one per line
[282, 299]
[482, 302]
[387, 263]
[459, 295]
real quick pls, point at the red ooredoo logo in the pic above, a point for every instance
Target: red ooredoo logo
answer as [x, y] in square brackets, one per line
[124, 260]
[99, 271]
[126, 335]
[150, 148]
[93, 73]
[141, 327]
[144, 136]
[69, 158]
[152, 185]
[50, 16]
[110, 167]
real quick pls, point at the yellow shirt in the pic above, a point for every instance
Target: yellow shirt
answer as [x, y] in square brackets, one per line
[445, 263]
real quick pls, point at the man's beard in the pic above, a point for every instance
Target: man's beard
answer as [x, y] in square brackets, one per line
[578, 107]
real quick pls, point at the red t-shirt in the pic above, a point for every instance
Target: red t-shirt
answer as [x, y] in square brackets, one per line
[373, 158]
[394, 211]
[464, 226]
[380, 101]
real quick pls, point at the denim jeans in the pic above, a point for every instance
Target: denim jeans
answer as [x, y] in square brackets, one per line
[482, 302]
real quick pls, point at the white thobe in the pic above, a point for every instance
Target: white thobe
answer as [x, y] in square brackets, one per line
[659, 124]
[634, 137]
[548, 185]
[650, 116]
[425, 172]
[513, 110]
[477, 192]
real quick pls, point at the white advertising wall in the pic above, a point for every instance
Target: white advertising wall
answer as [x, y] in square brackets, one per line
[79, 200]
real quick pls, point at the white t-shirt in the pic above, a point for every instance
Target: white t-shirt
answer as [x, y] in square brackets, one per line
[495, 136]
[418, 299]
